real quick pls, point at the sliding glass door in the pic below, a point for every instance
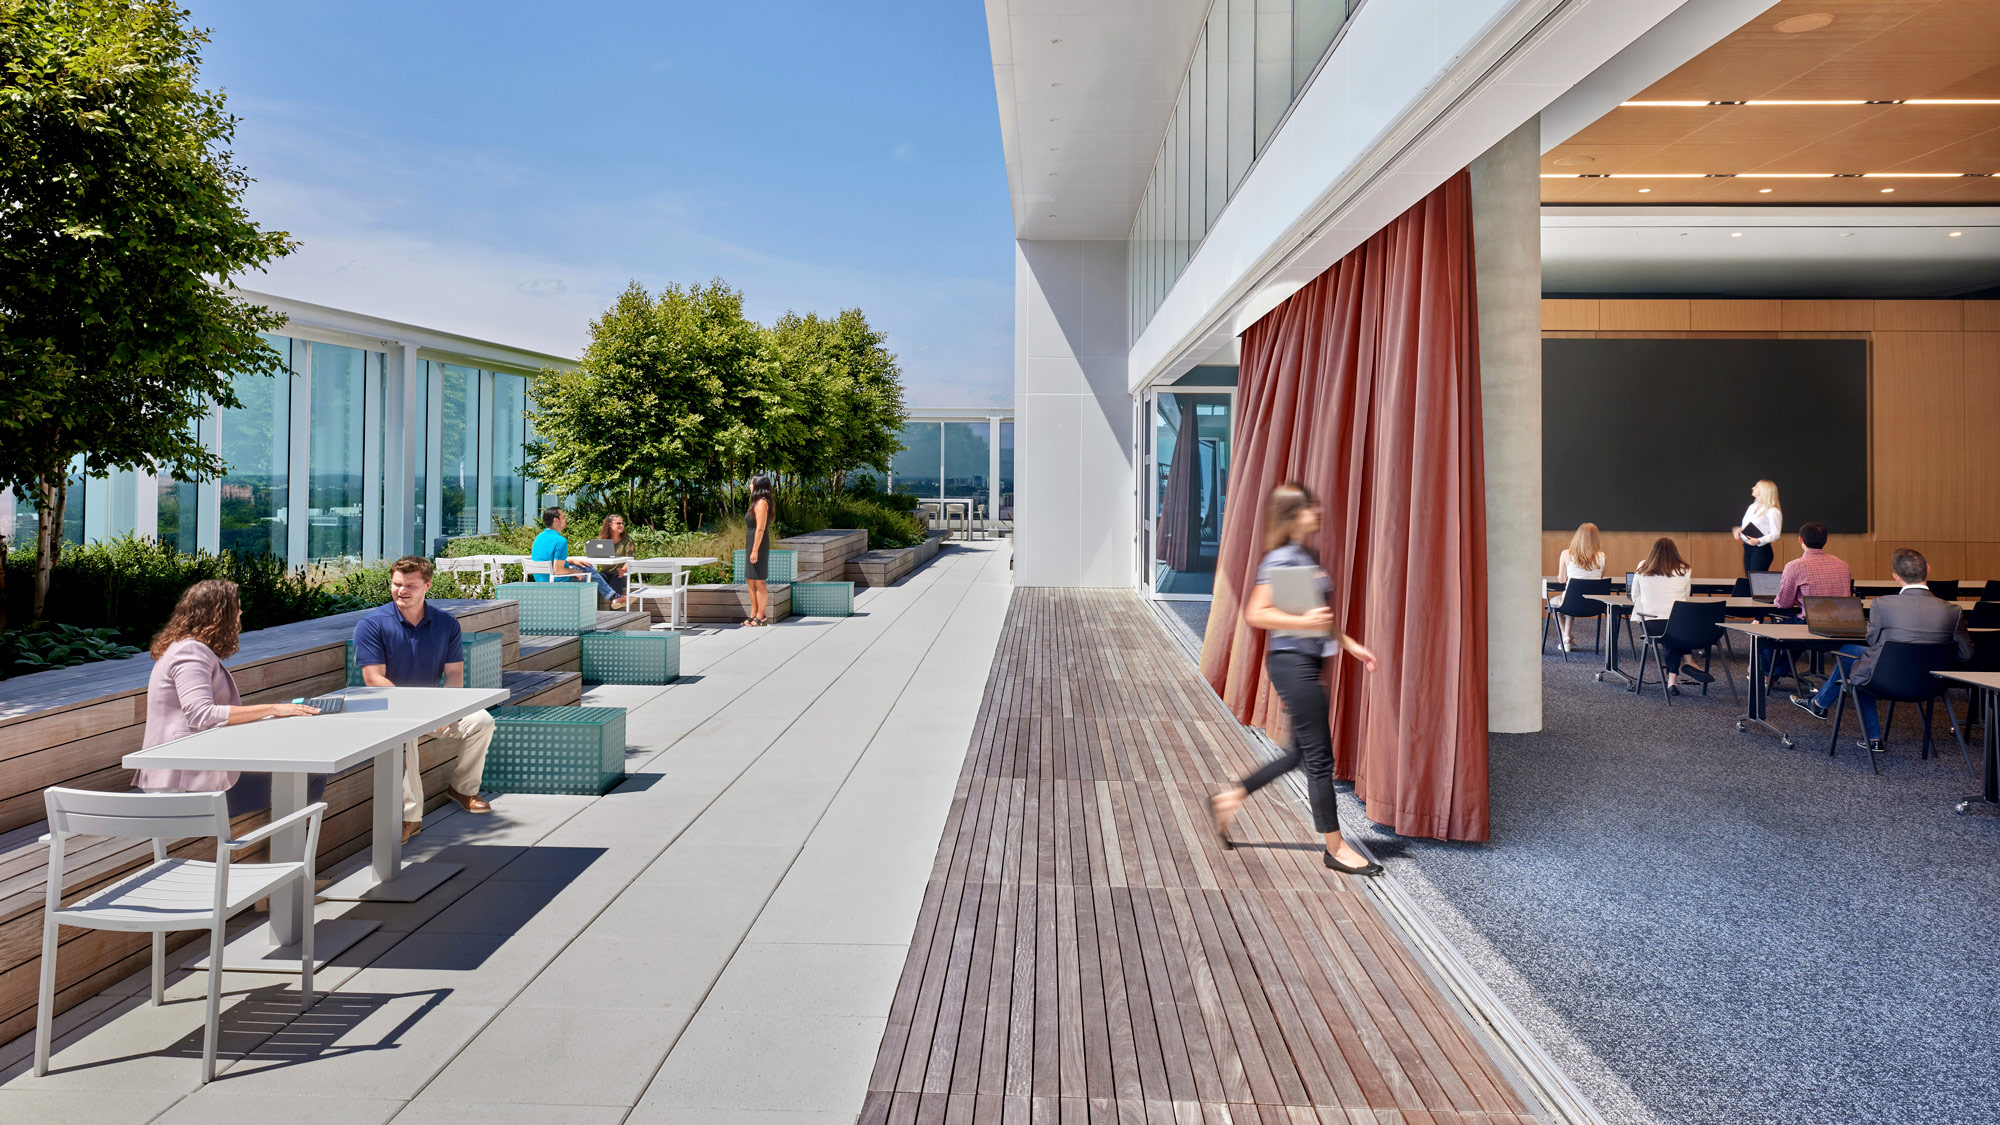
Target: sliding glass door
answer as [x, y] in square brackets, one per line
[1187, 471]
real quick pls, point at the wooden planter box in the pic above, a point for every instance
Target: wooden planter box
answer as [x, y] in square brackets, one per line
[823, 555]
[731, 603]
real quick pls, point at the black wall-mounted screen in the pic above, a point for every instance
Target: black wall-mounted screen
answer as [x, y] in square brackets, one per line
[1669, 435]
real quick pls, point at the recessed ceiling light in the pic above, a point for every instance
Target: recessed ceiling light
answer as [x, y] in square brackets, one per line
[1799, 25]
[1763, 191]
[1052, 120]
[1955, 234]
[1887, 190]
[1736, 234]
[1573, 161]
[1847, 234]
[1055, 173]
[1644, 190]
[1055, 84]
[1055, 41]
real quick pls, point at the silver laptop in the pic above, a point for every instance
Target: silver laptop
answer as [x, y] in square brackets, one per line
[1764, 585]
[1835, 618]
[600, 548]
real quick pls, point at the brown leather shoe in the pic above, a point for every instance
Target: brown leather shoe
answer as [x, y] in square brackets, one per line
[470, 802]
[411, 828]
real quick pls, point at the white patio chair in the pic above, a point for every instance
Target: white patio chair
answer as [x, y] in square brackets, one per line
[637, 591]
[171, 894]
[482, 565]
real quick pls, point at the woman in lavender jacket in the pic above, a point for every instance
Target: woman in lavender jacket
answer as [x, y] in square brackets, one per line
[190, 691]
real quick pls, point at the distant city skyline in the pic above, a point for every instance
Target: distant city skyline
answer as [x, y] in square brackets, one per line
[502, 170]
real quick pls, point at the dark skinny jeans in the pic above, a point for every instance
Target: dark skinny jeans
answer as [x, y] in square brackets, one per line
[1295, 675]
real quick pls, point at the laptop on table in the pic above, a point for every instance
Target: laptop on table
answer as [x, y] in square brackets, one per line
[1835, 618]
[600, 548]
[1764, 585]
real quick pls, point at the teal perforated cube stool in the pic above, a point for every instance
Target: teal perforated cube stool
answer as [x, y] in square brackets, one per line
[784, 565]
[484, 655]
[556, 750]
[562, 608]
[631, 657]
[823, 599]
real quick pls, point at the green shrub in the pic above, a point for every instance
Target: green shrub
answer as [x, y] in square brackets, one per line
[130, 585]
[368, 586]
[47, 646]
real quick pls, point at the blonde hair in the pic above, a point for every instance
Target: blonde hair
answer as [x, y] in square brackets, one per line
[1281, 511]
[1585, 548]
[1766, 493]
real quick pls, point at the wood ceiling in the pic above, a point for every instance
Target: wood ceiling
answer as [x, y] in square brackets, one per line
[1874, 50]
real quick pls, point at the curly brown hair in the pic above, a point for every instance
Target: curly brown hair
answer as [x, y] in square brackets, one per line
[207, 612]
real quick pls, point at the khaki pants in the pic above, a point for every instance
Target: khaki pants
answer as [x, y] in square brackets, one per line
[475, 733]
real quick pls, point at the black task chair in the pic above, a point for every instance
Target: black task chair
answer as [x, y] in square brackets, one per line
[1903, 675]
[1985, 615]
[1577, 604]
[1692, 627]
[1946, 588]
[1991, 591]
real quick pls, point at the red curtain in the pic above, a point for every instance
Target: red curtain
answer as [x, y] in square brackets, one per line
[1364, 385]
[1180, 525]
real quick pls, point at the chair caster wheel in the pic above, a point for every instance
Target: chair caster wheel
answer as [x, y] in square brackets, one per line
[1785, 742]
[1599, 677]
[1740, 728]
[1964, 807]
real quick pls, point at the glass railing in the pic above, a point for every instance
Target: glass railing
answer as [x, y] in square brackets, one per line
[1250, 63]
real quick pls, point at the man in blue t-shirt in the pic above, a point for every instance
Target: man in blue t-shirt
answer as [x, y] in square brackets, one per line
[552, 546]
[404, 644]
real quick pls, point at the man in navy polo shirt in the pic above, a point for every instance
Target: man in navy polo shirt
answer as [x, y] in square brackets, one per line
[403, 644]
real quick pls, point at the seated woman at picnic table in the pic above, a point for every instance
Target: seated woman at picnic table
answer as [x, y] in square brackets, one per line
[613, 528]
[190, 691]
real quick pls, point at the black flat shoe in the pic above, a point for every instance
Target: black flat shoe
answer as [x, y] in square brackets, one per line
[1690, 672]
[1810, 707]
[1370, 869]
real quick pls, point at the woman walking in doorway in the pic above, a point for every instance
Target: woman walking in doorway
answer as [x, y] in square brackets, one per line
[1294, 655]
[757, 549]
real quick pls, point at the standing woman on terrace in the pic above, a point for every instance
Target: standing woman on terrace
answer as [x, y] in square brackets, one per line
[757, 549]
[1294, 656]
[190, 691]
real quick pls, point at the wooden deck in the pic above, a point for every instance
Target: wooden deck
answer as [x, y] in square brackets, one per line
[1087, 953]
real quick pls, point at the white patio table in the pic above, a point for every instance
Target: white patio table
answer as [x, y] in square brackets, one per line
[675, 567]
[378, 723]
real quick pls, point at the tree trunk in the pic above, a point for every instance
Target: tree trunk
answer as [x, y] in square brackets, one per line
[50, 500]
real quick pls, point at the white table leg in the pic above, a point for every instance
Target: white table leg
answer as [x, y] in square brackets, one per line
[387, 878]
[274, 946]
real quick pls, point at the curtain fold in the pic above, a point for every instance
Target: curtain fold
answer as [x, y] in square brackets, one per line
[1179, 531]
[1364, 385]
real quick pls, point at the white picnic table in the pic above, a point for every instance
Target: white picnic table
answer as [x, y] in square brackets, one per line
[381, 724]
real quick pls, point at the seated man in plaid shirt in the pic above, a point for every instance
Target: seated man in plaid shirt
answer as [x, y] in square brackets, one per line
[1815, 574]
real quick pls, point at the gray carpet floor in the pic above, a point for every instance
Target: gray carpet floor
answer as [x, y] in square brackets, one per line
[1736, 931]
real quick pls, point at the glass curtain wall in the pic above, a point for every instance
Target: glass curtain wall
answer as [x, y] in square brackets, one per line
[510, 434]
[1251, 61]
[419, 422]
[1190, 465]
[1006, 500]
[968, 460]
[255, 441]
[918, 469]
[335, 483]
[458, 441]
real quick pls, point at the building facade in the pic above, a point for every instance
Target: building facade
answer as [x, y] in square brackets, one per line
[385, 438]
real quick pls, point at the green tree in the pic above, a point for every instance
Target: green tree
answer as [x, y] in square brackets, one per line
[848, 392]
[668, 393]
[121, 225]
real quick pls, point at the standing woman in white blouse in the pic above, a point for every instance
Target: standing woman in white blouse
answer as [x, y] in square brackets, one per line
[1762, 523]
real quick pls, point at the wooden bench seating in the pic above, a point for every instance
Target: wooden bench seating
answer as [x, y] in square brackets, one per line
[823, 555]
[72, 726]
[888, 566]
[730, 602]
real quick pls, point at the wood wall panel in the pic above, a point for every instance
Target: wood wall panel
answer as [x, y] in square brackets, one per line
[1642, 316]
[1917, 421]
[1935, 417]
[1919, 316]
[1982, 434]
[1829, 316]
[1736, 316]
[1569, 316]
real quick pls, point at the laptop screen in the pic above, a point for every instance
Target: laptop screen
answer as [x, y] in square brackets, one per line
[1764, 584]
[1628, 579]
[1835, 616]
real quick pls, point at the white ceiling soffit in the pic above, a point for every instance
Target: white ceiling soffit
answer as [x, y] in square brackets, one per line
[1085, 90]
[1771, 252]
[1692, 28]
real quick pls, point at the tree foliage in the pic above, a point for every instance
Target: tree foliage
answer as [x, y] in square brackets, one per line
[681, 394]
[121, 226]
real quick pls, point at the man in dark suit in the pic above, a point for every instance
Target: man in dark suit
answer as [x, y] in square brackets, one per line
[1912, 615]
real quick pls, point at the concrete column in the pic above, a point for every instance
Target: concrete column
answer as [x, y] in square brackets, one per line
[1073, 509]
[1507, 242]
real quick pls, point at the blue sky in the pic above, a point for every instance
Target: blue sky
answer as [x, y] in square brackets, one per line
[501, 169]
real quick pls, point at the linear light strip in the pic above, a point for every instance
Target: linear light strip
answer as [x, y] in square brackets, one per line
[1811, 101]
[1768, 175]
